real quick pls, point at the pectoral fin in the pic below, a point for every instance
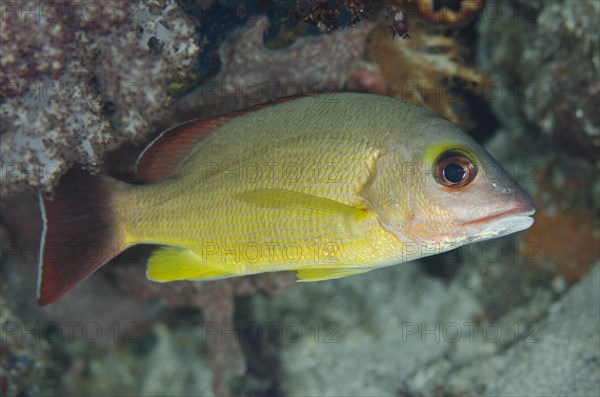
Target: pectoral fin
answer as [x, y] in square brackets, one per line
[171, 264]
[320, 274]
[301, 202]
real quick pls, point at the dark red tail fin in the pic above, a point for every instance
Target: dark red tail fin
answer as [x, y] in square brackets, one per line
[79, 234]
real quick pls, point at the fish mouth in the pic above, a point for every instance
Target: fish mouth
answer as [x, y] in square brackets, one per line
[501, 224]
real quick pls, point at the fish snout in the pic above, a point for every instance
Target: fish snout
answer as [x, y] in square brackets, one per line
[510, 210]
[518, 199]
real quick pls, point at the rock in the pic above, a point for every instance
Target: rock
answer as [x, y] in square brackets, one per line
[545, 58]
[365, 335]
[563, 356]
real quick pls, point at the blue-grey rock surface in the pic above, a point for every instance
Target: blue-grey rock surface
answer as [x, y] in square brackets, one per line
[564, 359]
[398, 330]
[366, 335]
[544, 60]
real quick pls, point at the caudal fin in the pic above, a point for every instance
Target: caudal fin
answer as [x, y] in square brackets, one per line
[79, 234]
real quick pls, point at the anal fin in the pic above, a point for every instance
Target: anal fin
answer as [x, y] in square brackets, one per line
[172, 264]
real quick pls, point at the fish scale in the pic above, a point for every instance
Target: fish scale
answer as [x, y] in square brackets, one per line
[329, 186]
[220, 218]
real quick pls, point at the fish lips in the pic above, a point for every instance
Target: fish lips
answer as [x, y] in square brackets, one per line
[504, 223]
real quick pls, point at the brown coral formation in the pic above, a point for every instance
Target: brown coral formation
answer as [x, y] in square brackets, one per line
[449, 11]
[77, 79]
[252, 74]
[424, 69]
[553, 235]
[326, 15]
[565, 238]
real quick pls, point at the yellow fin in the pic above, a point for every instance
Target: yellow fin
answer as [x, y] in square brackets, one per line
[282, 198]
[171, 264]
[320, 274]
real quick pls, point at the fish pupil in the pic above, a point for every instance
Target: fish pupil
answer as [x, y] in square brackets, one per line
[454, 173]
[454, 169]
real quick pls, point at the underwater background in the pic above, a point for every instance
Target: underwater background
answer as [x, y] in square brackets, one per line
[92, 83]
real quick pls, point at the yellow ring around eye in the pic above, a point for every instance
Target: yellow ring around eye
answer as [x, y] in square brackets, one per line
[435, 152]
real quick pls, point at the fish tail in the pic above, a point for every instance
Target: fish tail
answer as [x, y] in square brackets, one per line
[80, 233]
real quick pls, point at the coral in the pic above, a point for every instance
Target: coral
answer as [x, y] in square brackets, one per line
[245, 60]
[309, 64]
[545, 66]
[545, 59]
[366, 77]
[327, 15]
[318, 13]
[553, 234]
[252, 74]
[565, 238]
[76, 81]
[127, 298]
[449, 11]
[371, 312]
[424, 69]
[399, 22]
[216, 301]
[556, 354]
[24, 359]
[171, 363]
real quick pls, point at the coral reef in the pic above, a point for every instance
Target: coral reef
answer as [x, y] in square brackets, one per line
[25, 367]
[545, 59]
[251, 74]
[555, 355]
[428, 69]
[463, 323]
[245, 61]
[563, 218]
[326, 15]
[78, 80]
[167, 361]
[216, 301]
[448, 11]
[546, 99]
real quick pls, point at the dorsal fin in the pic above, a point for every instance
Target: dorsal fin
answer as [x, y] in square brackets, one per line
[163, 157]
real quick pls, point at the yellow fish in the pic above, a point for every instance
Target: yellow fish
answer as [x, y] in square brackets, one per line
[328, 186]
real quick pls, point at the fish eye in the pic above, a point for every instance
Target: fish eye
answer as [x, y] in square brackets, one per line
[454, 170]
